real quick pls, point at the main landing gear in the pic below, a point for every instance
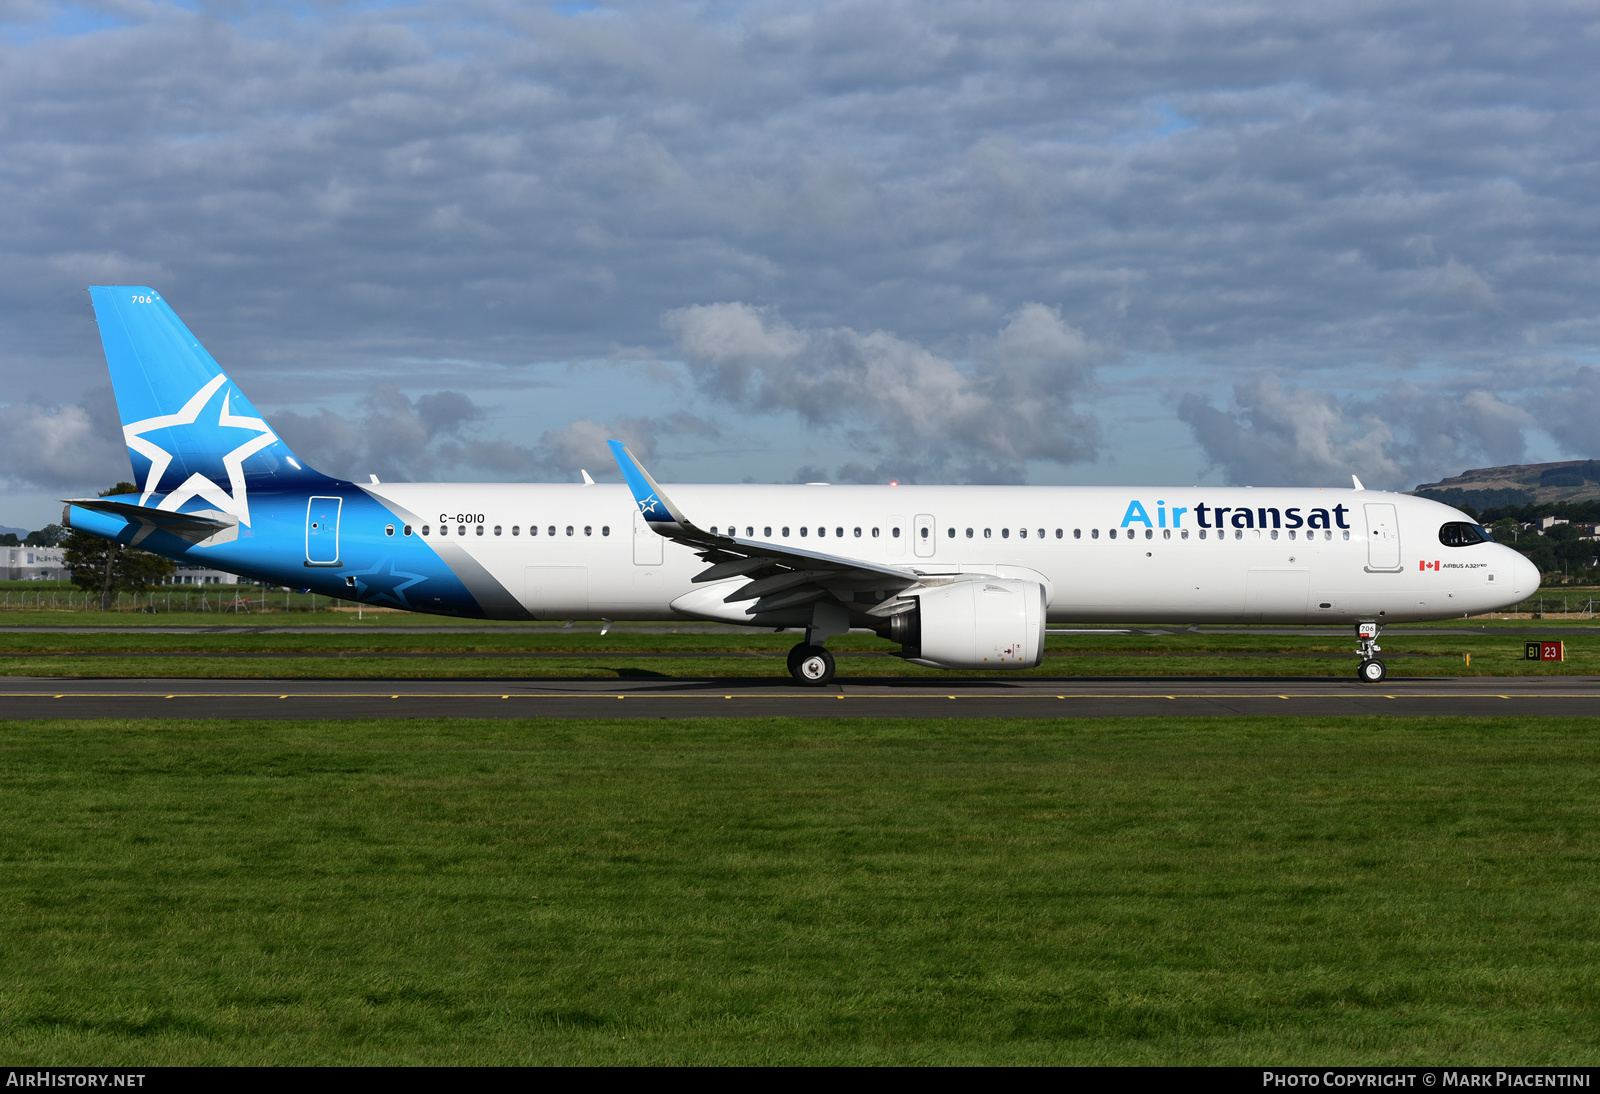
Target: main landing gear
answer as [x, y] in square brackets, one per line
[1371, 670]
[810, 665]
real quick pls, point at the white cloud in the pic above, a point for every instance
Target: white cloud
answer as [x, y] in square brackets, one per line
[891, 396]
[63, 448]
[1279, 434]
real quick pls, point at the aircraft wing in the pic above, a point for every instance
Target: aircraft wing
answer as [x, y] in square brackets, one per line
[780, 576]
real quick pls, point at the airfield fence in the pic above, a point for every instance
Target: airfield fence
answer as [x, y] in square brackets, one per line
[37, 596]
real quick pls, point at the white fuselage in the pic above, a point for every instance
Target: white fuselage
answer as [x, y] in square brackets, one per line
[1103, 554]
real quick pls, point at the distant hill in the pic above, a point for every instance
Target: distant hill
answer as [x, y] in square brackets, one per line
[1519, 484]
[7, 530]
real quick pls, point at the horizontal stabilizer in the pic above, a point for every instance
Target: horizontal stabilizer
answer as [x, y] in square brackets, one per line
[191, 527]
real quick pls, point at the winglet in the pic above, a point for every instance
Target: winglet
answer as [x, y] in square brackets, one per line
[657, 508]
[1357, 482]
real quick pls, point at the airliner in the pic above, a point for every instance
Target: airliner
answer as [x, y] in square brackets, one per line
[961, 577]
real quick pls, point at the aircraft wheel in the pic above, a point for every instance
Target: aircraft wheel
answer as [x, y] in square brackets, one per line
[811, 665]
[795, 653]
[1372, 672]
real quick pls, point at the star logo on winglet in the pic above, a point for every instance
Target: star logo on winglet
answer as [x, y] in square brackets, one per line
[647, 506]
[196, 485]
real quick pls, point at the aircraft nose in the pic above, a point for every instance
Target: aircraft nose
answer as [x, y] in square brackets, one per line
[1527, 574]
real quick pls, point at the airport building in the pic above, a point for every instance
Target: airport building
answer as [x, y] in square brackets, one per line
[199, 575]
[49, 564]
[33, 563]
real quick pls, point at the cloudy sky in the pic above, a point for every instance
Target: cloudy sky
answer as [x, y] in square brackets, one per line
[962, 242]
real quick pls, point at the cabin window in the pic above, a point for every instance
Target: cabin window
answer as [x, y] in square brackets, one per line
[767, 531]
[822, 531]
[802, 533]
[925, 533]
[1112, 533]
[1346, 535]
[1022, 533]
[480, 529]
[1274, 533]
[858, 533]
[408, 529]
[750, 532]
[1149, 533]
[713, 529]
[533, 529]
[588, 529]
[516, 529]
[1184, 534]
[1077, 533]
[605, 529]
[1291, 533]
[988, 533]
[785, 531]
[552, 530]
[424, 529]
[1238, 533]
[1005, 533]
[461, 529]
[950, 533]
[388, 529]
[839, 532]
[1202, 533]
[969, 533]
[894, 533]
[874, 533]
[569, 529]
[1094, 533]
[1166, 533]
[497, 529]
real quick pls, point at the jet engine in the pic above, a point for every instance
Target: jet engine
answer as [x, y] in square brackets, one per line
[983, 623]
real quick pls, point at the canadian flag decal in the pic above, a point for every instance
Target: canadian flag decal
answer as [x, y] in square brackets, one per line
[1434, 565]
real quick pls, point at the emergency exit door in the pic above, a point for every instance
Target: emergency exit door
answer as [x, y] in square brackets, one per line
[1383, 537]
[322, 531]
[647, 545]
[925, 536]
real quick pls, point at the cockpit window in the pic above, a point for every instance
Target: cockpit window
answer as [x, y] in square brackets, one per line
[1461, 534]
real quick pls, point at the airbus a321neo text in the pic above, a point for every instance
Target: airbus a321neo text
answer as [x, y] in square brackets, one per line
[962, 577]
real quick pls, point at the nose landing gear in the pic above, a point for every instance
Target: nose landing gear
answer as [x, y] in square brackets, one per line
[1371, 670]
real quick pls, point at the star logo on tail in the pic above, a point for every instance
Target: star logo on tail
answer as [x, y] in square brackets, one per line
[197, 485]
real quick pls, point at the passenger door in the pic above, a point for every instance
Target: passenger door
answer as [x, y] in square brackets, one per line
[925, 536]
[322, 531]
[1383, 537]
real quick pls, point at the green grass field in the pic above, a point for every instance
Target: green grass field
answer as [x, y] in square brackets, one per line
[1213, 891]
[557, 653]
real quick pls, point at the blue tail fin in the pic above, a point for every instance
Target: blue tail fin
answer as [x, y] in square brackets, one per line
[192, 435]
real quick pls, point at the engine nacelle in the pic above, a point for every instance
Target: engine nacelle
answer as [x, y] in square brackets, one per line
[987, 623]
